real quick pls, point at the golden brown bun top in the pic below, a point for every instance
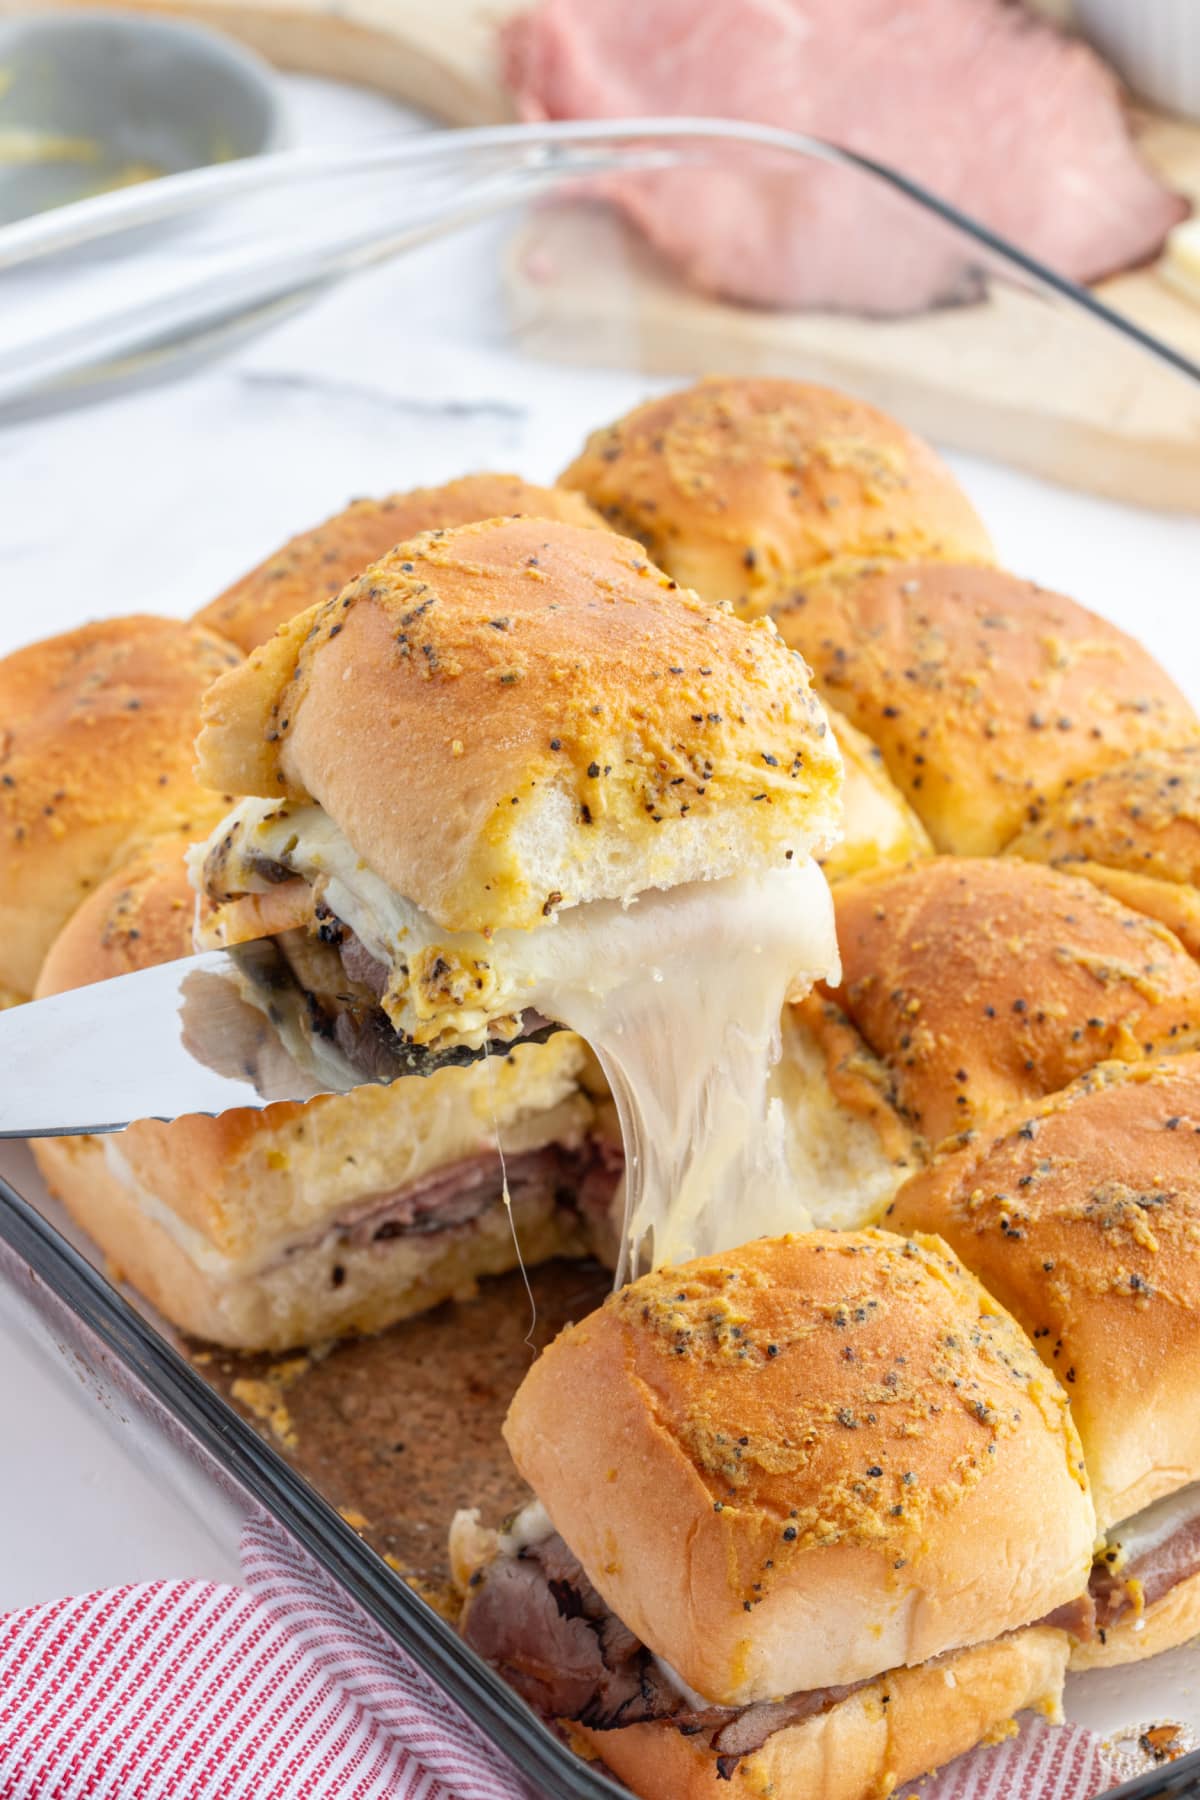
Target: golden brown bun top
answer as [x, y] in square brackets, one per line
[96, 757]
[984, 984]
[986, 694]
[520, 714]
[738, 487]
[838, 1421]
[139, 917]
[317, 564]
[1143, 816]
[1083, 1218]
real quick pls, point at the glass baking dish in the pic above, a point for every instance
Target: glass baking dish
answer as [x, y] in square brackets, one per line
[502, 344]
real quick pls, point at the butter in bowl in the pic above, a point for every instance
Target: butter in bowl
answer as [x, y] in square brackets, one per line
[91, 101]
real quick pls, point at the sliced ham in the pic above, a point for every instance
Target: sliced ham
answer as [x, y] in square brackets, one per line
[453, 1196]
[993, 110]
[1166, 1559]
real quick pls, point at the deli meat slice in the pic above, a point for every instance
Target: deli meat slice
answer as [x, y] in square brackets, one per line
[537, 1619]
[993, 110]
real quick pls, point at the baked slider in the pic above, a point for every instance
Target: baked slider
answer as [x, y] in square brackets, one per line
[987, 695]
[96, 758]
[1082, 1217]
[290, 1226]
[1135, 831]
[317, 564]
[981, 985]
[740, 487]
[812, 1517]
[515, 775]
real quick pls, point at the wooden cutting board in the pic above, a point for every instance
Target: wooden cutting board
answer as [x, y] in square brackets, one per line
[440, 56]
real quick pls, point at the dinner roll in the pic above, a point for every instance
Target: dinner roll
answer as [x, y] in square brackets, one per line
[1135, 830]
[317, 564]
[96, 758]
[1082, 1217]
[984, 984]
[857, 1449]
[986, 694]
[272, 1229]
[520, 716]
[739, 487]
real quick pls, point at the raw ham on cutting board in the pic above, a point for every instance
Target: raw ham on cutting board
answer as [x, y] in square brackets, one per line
[993, 110]
[979, 376]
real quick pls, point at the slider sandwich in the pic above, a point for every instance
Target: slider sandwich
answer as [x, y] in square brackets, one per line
[969, 987]
[1082, 1216]
[981, 985]
[810, 1519]
[96, 758]
[742, 488]
[986, 695]
[515, 777]
[1135, 831]
[317, 564]
[273, 1229]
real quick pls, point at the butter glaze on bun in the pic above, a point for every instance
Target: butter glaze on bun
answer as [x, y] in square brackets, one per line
[317, 564]
[739, 487]
[1083, 1218]
[986, 694]
[96, 758]
[806, 1462]
[1135, 831]
[984, 985]
[519, 715]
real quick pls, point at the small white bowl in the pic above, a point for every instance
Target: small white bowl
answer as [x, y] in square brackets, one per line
[1154, 44]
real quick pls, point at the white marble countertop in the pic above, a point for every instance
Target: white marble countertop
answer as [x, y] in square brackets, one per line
[155, 499]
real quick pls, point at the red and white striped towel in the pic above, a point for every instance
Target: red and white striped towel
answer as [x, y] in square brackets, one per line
[284, 1690]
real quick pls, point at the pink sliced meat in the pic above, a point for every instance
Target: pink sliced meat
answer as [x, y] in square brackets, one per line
[993, 110]
[1157, 1570]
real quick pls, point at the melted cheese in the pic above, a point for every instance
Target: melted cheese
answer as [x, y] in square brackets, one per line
[679, 993]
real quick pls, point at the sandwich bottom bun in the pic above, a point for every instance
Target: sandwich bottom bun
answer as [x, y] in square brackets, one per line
[904, 1724]
[327, 1290]
[1164, 1625]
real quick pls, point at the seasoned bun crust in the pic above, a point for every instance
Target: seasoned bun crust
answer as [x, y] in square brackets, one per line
[986, 694]
[96, 758]
[984, 985]
[903, 1725]
[139, 917]
[807, 1461]
[740, 487]
[520, 715]
[1083, 1218]
[879, 827]
[317, 564]
[196, 1212]
[1134, 830]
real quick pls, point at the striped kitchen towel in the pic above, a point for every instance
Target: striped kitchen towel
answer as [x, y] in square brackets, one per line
[283, 1689]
